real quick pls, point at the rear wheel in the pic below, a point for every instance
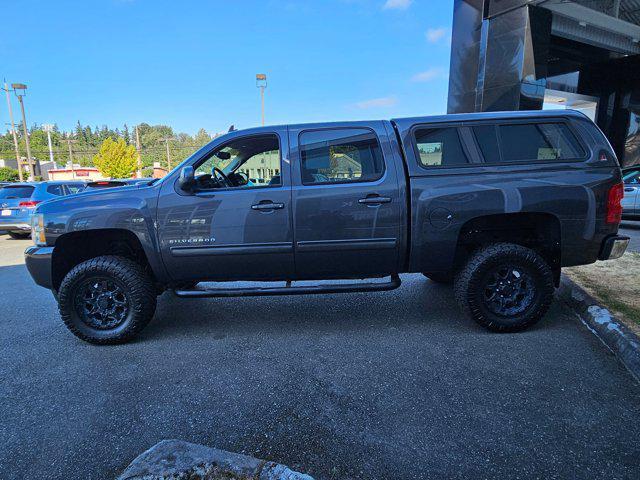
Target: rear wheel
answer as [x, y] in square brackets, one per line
[505, 287]
[19, 235]
[106, 300]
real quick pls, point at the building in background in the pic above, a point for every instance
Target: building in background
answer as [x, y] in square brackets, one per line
[158, 170]
[9, 163]
[540, 54]
[89, 174]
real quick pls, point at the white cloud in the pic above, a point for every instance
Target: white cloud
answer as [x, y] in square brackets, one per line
[397, 4]
[378, 102]
[428, 75]
[434, 35]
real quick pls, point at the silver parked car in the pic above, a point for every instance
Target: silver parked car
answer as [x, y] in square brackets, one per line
[631, 200]
[18, 200]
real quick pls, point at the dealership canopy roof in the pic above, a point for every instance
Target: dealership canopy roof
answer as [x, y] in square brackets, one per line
[627, 10]
[610, 24]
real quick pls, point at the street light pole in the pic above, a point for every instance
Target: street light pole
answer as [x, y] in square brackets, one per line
[139, 153]
[261, 83]
[69, 142]
[13, 131]
[48, 127]
[32, 167]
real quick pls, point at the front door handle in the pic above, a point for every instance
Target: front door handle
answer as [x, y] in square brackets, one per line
[374, 200]
[629, 189]
[267, 205]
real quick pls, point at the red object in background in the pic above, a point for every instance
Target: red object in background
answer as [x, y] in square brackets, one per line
[29, 204]
[614, 203]
[82, 173]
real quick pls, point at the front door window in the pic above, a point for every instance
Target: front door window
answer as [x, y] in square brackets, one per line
[247, 162]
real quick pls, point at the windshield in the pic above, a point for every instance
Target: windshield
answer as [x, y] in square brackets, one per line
[21, 191]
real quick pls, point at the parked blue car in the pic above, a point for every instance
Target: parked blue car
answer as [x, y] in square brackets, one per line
[18, 201]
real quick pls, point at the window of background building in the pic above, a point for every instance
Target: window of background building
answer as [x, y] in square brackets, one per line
[440, 147]
[340, 155]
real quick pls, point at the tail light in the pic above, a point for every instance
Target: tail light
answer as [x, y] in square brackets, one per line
[29, 204]
[614, 203]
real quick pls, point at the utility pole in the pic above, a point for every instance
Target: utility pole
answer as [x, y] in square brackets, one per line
[13, 131]
[69, 142]
[139, 154]
[261, 83]
[48, 127]
[166, 141]
[34, 168]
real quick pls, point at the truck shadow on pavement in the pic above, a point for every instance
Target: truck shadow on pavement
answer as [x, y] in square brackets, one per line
[417, 303]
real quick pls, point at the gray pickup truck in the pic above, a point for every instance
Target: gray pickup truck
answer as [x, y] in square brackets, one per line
[494, 203]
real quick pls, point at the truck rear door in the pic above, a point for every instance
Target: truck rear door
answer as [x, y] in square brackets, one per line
[347, 202]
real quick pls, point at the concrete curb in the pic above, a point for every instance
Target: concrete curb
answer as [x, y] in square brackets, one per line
[614, 334]
[179, 460]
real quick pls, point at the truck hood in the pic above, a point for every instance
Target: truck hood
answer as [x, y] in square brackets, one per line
[89, 198]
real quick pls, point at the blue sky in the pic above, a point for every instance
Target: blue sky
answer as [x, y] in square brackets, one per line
[192, 64]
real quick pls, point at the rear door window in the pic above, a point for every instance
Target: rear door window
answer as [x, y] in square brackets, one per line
[440, 147]
[527, 142]
[340, 155]
[55, 189]
[16, 192]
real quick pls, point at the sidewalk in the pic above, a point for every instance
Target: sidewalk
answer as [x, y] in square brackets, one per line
[616, 284]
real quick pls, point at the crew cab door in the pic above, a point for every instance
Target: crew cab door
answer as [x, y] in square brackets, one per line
[347, 206]
[236, 223]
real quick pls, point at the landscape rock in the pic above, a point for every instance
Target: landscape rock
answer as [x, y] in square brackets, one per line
[179, 460]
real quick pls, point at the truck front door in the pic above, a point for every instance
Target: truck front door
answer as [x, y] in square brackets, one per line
[347, 205]
[235, 224]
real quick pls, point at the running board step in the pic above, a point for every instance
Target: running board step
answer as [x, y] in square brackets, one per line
[302, 290]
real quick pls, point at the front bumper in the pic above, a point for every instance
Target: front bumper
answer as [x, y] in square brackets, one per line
[613, 247]
[38, 260]
[15, 227]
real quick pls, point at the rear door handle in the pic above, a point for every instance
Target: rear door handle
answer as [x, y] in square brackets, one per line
[267, 206]
[629, 189]
[374, 200]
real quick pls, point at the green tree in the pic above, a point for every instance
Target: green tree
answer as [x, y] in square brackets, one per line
[116, 159]
[202, 137]
[8, 174]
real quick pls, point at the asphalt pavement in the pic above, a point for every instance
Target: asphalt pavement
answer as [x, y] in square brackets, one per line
[393, 385]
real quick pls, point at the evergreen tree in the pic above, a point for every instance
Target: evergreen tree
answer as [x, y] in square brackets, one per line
[202, 137]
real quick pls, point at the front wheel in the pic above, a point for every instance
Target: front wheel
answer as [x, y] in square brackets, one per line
[106, 300]
[505, 287]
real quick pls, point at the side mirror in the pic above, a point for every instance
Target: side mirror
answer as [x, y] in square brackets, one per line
[187, 178]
